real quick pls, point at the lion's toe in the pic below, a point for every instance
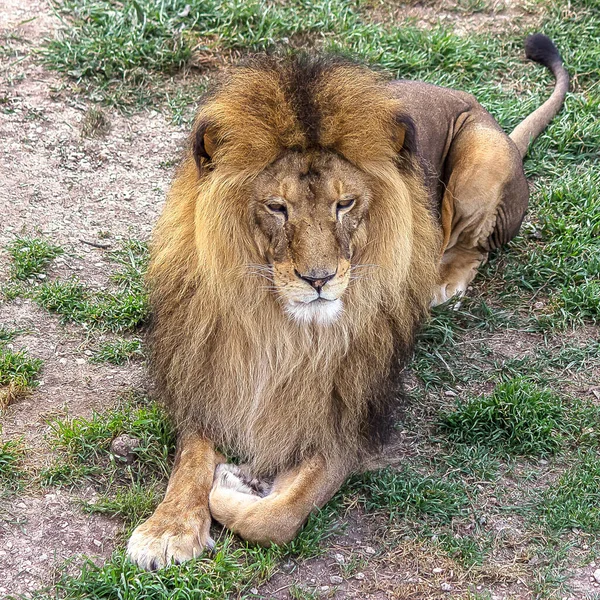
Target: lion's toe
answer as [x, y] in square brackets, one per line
[156, 543]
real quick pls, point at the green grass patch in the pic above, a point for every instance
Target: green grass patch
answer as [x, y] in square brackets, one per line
[439, 359]
[122, 309]
[11, 454]
[563, 260]
[133, 504]
[574, 500]
[8, 335]
[408, 494]
[18, 370]
[474, 463]
[230, 572]
[84, 444]
[30, 257]
[118, 352]
[517, 418]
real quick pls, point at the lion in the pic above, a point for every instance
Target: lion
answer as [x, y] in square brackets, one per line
[319, 212]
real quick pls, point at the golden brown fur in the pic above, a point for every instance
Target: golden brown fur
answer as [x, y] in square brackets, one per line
[229, 360]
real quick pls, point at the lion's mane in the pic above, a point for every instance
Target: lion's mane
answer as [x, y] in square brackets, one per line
[226, 358]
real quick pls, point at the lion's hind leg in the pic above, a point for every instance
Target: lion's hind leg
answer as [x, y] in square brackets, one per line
[483, 205]
[179, 529]
[277, 517]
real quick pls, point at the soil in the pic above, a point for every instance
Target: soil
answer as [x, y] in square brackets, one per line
[55, 183]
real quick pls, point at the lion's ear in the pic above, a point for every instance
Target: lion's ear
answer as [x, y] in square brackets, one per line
[405, 135]
[204, 144]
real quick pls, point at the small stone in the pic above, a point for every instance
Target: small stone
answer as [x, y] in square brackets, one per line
[123, 446]
[80, 361]
[370, 550]
[597, 575]
[538, 305]
[359, 576]
[41, 276]
[254, 591]
[336, 579]
[446, 587]
[339, 558]
[21, 505]
[97, 543]
[324, 588]
[437, 570]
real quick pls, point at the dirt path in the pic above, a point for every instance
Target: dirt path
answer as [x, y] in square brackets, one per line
[54, 183]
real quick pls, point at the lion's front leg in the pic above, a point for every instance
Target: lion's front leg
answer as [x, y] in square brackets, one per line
[179, 528]
[277, 517]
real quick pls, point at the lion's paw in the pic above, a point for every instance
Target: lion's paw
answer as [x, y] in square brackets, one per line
[446, 291]
[169, 539]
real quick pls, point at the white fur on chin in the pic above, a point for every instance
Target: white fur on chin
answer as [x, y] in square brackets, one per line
[322, 312]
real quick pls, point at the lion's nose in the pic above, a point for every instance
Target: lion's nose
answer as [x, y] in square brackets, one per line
[317, 280]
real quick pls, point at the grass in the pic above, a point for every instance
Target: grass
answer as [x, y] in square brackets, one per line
[407, 494]
[11, 454]
[84, 445]
[18, 370]
[228, 572]
[517, 418]
[118, 352]
[574, 500]
[121, 310]
[124, 308]
[30, 257]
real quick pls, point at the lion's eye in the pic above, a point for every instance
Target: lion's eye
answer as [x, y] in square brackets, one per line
[277, 208]
[345, 204]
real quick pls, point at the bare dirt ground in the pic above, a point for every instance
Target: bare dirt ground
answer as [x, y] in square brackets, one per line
[55, 183]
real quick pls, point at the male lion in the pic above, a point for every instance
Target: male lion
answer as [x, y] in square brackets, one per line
[318, 214]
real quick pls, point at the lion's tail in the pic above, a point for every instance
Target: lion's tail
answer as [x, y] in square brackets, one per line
[541, 49]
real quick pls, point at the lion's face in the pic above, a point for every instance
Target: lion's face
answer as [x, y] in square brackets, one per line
[309, 211]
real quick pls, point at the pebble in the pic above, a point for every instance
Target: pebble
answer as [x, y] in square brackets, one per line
[123, 446]
[339, 558]
[450, 393]
[80, 361]
[324, 588]
[438, 570]
[370, 550]
[446, 587]
[597, 575]
[336, 579]
[359, 576]
[254, 591]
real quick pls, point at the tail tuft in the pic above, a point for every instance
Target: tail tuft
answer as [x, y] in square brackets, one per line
[541, 49]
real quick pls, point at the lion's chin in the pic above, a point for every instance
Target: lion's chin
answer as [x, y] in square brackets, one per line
[319, 311]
